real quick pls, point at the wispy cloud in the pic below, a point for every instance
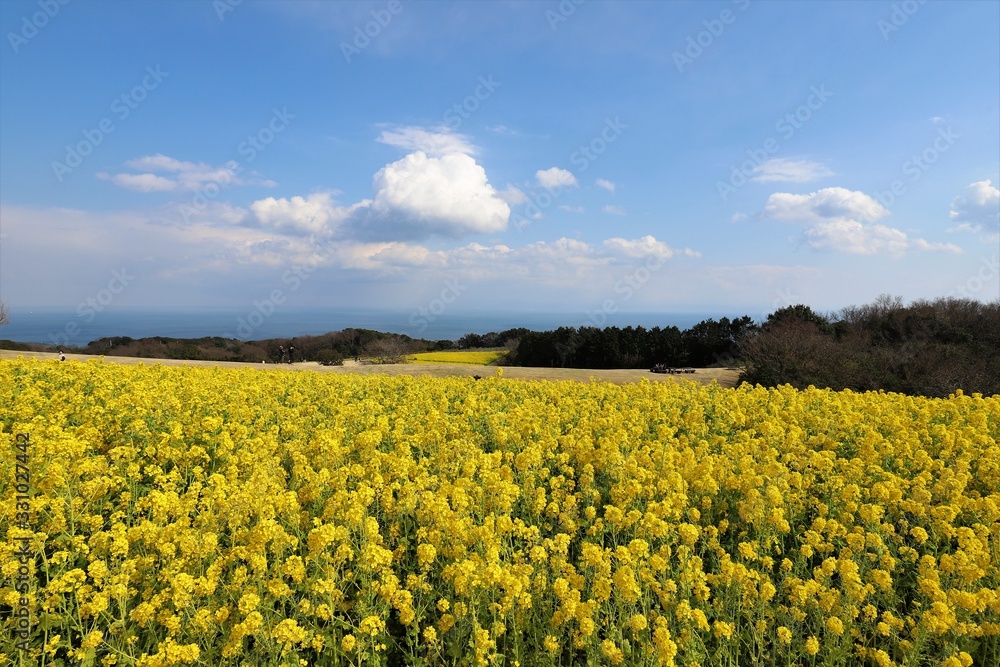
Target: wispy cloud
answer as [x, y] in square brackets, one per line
[503, 130]
[435, 141]
[978, 209]
[161, 173]
[513, 195]
[789, 170]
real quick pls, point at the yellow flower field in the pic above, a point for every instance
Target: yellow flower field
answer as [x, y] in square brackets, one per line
[207, 516]
[474, 357]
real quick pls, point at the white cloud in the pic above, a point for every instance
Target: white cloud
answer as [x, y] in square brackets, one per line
[572, 209]
[563, 247]
[439, 141]
[497, 261]
[606, 184]
[564, 261]
[789, 170]
[300, 215]
[647, 246]
[555, 178]
[823, 205]
[841, 220]
[419, 196]
[161, 162]
[405, 255]
[415, 197]
[921, 244]
[512, 195]
[850, 236]
[140, 182]
[504, 130]
[183, 176]
[978, 209]
[613, 210]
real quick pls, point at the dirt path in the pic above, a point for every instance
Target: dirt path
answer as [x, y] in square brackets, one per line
[725, 377]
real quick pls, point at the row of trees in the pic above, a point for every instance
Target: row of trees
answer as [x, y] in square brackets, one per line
[709, 343]
[330, 348]
[493, 339]
[929, 348]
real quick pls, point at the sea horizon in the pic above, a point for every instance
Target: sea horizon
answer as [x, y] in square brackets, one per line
[64, 326]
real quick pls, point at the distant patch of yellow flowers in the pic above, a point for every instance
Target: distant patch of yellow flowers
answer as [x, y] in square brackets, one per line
[473, 357]
[205, 516]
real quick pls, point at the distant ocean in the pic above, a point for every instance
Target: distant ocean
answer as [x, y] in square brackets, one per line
[64, 327]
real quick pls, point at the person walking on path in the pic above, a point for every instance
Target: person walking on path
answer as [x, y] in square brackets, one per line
[291, 353]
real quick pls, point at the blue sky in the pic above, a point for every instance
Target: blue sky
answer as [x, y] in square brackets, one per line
[531, 156]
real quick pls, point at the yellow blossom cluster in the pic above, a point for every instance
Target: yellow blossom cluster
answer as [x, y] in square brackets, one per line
[208, 516]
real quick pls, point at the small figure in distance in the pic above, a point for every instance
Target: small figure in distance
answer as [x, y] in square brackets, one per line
[291, 353]
[62, 356]
[281, 354]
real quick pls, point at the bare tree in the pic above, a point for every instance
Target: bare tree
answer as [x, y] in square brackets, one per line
[389, 350]
[4, 314]
[790, 351]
